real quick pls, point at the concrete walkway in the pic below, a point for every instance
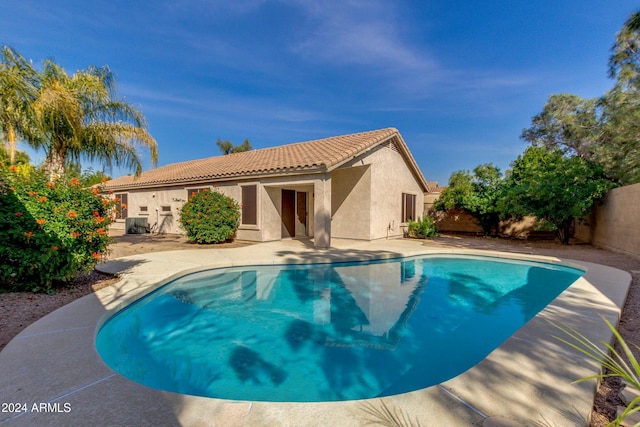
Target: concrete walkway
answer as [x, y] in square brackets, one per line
[54, 372]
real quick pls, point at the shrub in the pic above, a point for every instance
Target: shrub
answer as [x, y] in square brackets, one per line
[210, 217]
[422, 228]
[51, 230]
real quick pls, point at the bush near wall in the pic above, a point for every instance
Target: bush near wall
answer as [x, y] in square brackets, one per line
[422, 228]
[210, 217]
[51, 230]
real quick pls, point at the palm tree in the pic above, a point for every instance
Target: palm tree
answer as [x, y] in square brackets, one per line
[18, 89]
[227, 147]
[80, 116]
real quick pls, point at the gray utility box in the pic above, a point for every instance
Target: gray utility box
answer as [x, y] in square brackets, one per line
[135, 225]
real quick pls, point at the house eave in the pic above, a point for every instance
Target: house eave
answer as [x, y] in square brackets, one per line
[219, 178]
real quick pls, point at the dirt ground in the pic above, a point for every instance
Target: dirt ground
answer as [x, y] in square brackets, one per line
[19, 310]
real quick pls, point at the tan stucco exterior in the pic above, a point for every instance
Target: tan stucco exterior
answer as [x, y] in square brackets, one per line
[360, 198]
[367, 195]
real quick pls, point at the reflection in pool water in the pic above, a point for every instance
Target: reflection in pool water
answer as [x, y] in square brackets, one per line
[326, 332]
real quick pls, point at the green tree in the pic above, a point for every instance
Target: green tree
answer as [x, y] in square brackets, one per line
[567, 122]
[87, 177]
[624, 62]
[227, 147]
[81, 117]
[477, 193]
[552, 187]
[18, 86]
[19, 158]
[606, 130]
[618, 148]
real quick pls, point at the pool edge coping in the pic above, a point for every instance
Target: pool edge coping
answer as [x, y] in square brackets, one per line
[135, 292]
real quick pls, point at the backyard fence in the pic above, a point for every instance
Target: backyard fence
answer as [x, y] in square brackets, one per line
[462, 222]
[614, 223]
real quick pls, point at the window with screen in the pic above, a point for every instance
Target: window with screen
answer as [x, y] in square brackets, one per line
[250, 205]
[408, 207]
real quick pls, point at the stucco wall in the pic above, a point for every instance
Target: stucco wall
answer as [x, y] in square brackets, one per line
[164, 205]
[429, 200]
[366, 199]
[165, 220]
[614, 223]
[350, 200]
[390, 177]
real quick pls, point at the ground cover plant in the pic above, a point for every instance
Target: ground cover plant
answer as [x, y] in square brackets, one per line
[210, 217]
[51, 230]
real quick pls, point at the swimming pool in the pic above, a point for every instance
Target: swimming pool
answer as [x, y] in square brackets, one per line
[326, 332]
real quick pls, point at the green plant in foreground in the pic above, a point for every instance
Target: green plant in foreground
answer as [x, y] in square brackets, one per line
[210, 217]
[613, 363]
[422, 228]
[51, 230]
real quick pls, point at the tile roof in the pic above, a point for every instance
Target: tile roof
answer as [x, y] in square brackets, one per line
[321, 155]
[434, 187]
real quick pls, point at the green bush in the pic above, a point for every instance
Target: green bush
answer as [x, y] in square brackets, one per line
[422, 228]
[210, 217]
[51, 230]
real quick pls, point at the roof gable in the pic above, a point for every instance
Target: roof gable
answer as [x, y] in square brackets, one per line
[320, 155]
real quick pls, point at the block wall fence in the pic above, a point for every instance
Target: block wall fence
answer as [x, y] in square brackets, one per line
[614, 223]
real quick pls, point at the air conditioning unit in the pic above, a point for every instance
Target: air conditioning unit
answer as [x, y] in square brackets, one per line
[136, 225]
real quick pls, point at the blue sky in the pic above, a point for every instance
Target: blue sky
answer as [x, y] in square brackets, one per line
[459, 79]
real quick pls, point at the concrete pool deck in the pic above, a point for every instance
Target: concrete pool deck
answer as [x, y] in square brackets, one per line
[528, 380]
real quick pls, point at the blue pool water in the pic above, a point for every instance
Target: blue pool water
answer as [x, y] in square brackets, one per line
[326, 332]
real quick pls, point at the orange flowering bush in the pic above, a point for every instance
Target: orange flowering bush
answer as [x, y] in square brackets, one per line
[210, 217]
[50, 231]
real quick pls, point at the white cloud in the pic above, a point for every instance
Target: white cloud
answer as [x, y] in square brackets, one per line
[361, 33]
[374, 35]
[225, 105]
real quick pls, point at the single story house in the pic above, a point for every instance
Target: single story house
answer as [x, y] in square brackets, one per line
[361, 186]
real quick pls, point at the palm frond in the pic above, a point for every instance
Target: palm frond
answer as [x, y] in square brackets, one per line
[612, 362]
[116, 144]
[382, 414]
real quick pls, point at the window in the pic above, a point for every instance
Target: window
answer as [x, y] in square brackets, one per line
[144, 210]
[192, 191]
[408, 207]
[250, 205]
[121, 206]
[165, 210]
